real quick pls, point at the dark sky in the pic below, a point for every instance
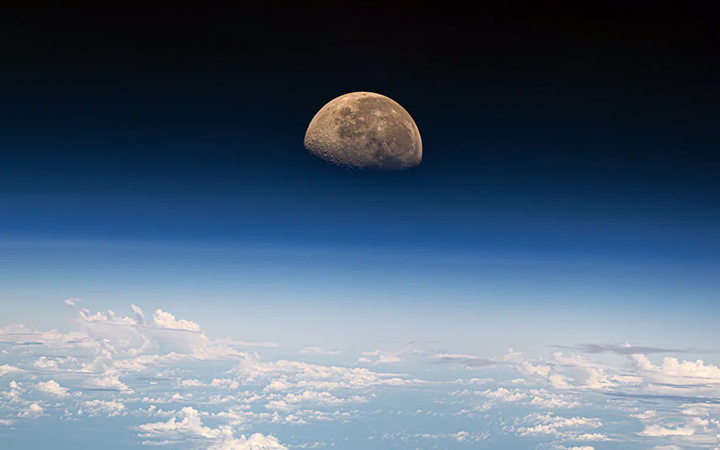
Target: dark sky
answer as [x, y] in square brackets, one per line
[591, 131]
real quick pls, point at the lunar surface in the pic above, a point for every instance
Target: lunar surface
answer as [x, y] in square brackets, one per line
[365, 130]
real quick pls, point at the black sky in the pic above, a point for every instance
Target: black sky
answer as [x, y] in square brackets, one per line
[569, 109]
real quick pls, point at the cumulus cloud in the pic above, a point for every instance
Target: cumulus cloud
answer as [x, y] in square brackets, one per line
[164, 319]
[677, 372]
[108, 382]
[312, 399]
[52, 388]
[378, 357]
[188, 425]
[689, 428]
[256, 441]
[103, 407]
[6, 369]
[21, 336]
[534, 398]
[560, 427]
[164, 333]
[33, 411]
[134, 364]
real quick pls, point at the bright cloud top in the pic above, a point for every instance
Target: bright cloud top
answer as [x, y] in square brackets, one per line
[165, 382]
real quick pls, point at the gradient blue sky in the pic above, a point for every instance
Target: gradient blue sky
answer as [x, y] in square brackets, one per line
[548, 277]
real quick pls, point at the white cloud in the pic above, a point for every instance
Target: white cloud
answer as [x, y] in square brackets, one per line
[188, 425]
[691, 426]
[33, 411]
[560, 381]
[551, 425]
[646, 415]
[108, 381]
[473, 381]
[225, 383]
[256, 441]
[379, 357]
[311, 398]
[459, 436]
[530, 370]
[103, 407]
[305, 375]
[6, 369]
[660, 431]
[163, 354]
[21, 335]
[678, 372]
[164, 319]
[52, 388]
[45, 363]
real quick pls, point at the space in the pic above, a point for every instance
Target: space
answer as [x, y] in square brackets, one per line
[180, 269]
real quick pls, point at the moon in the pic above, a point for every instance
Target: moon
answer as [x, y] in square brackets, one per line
[365, 130]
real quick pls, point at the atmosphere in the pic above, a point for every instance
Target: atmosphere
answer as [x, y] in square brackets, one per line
[360, 228]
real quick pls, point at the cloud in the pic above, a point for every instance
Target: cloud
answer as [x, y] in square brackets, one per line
[311, 398]
[6, 369]
[534, 398]
[245, 344]
[305, 375]
[660, 431]
[33, 411]
[574, 372]
[187, 425]
[530, 370]
[102, 407]
[691, 426]
[561, 427]
[52, 388]
[471, 381]
[166, 320]
[459, 436]
[256, 441]
[25, 339]
[165, 333]
[169, 361]
[462, 359]
[318, 351]
[673, 371]
[379, 357]
[108, 382]
[646, 415]
[625, 349]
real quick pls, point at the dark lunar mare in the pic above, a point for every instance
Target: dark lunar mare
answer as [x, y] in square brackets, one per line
[367, 131]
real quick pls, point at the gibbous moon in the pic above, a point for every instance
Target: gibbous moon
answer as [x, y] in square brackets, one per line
[364, 130]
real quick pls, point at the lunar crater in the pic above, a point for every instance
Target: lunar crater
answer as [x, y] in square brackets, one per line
[365, 130]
